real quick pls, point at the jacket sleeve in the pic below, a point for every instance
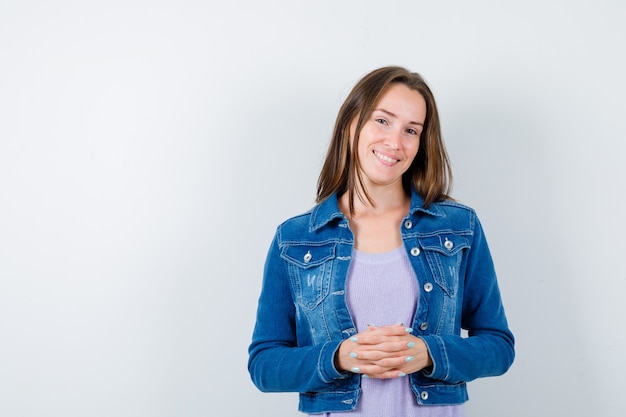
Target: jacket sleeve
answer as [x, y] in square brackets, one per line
[489, 348]
[276, 363]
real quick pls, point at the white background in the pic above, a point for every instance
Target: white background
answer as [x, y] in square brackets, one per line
[148, 149]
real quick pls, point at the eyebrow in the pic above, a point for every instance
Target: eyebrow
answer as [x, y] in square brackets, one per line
[394, 115]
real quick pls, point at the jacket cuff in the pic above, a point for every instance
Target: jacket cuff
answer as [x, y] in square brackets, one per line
[326, 363]
[437, 351]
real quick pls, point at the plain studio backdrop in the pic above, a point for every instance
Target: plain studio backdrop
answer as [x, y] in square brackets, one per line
[148, 150]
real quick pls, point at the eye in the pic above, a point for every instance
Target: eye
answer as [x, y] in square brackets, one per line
[411, 131]
[381, 121]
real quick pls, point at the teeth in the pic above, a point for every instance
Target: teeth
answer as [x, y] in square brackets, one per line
[385, 158]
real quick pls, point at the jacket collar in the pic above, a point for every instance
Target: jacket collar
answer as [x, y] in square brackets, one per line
[328, 210]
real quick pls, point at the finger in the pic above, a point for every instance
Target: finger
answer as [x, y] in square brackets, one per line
[382, 350]
[395, 330]
[394, 362]
[379, 334]
[394, 373]
[379, 337]
[385, 374]
[372, 371]
[369, 356]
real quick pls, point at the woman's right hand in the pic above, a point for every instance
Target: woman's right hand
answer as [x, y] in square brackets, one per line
[383, 352]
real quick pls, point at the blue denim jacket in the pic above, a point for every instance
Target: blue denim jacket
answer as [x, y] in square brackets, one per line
[303, 317]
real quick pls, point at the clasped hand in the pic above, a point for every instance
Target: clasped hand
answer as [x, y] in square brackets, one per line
[383, 352]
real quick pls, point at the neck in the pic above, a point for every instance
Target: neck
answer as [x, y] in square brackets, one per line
[384, 200]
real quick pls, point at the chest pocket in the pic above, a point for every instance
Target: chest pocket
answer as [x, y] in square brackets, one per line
[444, 253]
[310, 269]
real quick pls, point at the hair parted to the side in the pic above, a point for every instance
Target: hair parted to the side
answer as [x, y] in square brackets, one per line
[429, 174]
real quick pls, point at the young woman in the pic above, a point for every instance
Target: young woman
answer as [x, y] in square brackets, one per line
[364, 297]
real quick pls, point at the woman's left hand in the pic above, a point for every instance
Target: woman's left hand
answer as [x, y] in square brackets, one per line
[387, 352]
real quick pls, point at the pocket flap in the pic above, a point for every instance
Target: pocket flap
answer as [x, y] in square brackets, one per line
[444, 243]
[307, 256]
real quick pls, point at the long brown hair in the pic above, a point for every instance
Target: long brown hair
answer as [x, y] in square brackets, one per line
[429, 174]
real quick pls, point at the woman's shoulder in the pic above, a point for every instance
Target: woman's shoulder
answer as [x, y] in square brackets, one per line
[449, 214]
[297, 220]
[312, 221]
[454, 206]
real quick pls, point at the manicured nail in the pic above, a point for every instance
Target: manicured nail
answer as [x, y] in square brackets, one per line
[353, 355]
[410, 345]
[401, 374]
[371, 325]
[356, 370]
[409, 329]
[354, 339]
[364, 376]
[408, 359]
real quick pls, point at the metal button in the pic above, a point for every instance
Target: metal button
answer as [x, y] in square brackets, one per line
[424, 395]
[415, 251]
[424, 326]
[308, 257]
[408, 224]
[448, 244]
[428, 287]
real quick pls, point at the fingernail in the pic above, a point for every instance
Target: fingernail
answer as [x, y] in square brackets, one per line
[409, 329]
[353, 355]
[354, 339]
[410, 345]
[364, 376]
[356, 370]
[371, 325]
[408, 359]
[401, 374]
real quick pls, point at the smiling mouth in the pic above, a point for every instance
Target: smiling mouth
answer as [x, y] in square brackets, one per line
[385, 158]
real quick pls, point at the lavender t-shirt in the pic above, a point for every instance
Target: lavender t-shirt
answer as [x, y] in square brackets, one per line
[381, 289]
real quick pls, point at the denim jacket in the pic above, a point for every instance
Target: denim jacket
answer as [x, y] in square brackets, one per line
[303, 316]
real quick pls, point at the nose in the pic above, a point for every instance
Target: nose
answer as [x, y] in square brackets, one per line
[393, 139]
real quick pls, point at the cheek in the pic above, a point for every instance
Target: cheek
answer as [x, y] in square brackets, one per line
[362, 150]
[413, 147]
[364, 141]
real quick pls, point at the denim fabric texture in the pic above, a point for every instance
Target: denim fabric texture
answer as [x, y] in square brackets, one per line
[303, 317]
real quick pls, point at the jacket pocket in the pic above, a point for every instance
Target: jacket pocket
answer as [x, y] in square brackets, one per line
[310, 269]
[444, 253]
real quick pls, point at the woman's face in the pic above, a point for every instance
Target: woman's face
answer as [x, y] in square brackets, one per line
[390, 137]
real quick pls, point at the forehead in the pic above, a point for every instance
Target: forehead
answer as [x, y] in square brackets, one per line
[403, 102]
